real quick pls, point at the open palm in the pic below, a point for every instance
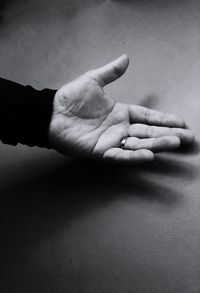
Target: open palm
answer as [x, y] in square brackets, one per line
[87, 123]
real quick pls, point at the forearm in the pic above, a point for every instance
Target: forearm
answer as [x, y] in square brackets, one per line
[25, 114]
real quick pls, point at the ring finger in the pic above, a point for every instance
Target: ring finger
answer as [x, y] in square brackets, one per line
[160, 144]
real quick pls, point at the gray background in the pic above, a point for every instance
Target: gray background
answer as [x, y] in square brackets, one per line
[71, 226]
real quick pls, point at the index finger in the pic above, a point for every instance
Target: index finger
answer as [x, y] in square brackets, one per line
[139, 114]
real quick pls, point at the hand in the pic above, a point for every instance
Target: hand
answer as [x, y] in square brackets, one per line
[86, 122]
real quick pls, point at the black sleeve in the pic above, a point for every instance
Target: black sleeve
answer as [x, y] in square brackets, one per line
[25, 114]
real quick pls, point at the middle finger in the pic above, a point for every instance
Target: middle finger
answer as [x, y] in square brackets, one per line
[147, 131]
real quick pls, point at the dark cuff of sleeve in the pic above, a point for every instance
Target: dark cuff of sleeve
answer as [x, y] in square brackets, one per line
[25, 114]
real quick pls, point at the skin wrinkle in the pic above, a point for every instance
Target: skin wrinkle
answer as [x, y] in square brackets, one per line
[147, 116]
[153, 144]
[104, 132]
[91, 74]
[162, 118]
[150, 132]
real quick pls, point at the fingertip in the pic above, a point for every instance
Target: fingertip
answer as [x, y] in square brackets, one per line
[149, 155]
[126, 59]
[145, 155]
[191, 137]
[175, 141]
[175, 121]
[188, 137]
[112, 71]
[187, 126]
[182, 123]
[124, 56]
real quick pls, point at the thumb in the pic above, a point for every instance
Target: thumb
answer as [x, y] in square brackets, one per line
[112, 71]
